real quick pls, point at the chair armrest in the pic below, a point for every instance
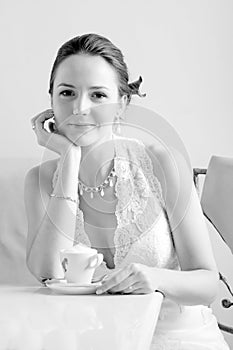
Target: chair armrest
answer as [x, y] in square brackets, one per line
[196, 173]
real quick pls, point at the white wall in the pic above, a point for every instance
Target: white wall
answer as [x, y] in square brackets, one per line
[183, 49]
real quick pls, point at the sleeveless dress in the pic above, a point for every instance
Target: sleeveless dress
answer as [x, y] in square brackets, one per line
[143, 235]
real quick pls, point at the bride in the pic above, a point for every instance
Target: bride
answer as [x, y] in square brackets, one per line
[118, 195]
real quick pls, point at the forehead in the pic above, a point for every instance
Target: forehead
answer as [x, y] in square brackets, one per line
[86, 69]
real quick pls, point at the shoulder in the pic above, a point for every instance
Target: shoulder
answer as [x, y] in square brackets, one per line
[171, 162]
[174, 172]
[41, 176]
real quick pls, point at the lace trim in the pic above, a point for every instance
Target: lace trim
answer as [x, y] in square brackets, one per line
[148, 170]
[140, 202]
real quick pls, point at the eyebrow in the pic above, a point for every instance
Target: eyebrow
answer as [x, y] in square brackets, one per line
[92, 87]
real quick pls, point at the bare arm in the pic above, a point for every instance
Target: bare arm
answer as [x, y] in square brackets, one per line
[197, 283]
[51, 220]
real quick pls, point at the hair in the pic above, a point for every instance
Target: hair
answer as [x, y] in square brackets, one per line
[97, 45]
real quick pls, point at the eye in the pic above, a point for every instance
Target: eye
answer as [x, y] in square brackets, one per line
[67, 93]
[99, 95]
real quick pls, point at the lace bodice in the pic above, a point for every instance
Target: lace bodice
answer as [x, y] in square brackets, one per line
[143, 233]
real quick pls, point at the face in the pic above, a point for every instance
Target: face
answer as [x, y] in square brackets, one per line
[85, 91]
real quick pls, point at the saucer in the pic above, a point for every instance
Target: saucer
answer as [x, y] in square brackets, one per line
[63, 287]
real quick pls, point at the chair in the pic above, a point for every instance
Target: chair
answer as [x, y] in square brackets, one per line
[217, 204]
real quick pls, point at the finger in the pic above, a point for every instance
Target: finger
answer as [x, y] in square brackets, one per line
[113, 280]
[131, 271]
[39, 121]
[134, 287]
[125, 284]
[99, 278]
[47, 114]
[41, 117]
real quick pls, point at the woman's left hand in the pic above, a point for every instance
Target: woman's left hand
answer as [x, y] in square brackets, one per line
[133, 279]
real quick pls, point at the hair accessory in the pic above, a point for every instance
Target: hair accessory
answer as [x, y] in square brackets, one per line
[134, 87]
[108, 182]
[33, 126]
[117, 126]
[118, 129]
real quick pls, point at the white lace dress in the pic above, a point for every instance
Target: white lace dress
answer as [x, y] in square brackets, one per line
[143, 236]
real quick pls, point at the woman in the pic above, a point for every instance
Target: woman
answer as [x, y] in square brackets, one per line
[108, 192]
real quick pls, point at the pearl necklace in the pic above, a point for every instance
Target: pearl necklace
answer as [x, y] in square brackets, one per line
[109, 181]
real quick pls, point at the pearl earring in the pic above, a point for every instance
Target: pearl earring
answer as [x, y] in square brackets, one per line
[117, 125]
[118, 128]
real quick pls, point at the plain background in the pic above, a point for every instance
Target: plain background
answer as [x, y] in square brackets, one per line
[183, 49]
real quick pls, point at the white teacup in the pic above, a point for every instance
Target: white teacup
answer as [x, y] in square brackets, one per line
[79, 263]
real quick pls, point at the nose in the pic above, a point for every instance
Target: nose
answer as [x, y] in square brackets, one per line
[81, 106]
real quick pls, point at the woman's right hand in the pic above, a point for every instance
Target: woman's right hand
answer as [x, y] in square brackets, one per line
[51, 140]
[101, 272]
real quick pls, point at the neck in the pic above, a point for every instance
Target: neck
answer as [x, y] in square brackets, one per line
[96, 162]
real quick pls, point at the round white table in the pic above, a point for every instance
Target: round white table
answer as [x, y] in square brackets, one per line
[36, 318]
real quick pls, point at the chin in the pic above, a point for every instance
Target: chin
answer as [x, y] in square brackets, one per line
[89, 138]
[83, 140]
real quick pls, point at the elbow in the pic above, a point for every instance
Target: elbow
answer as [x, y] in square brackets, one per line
[36, 271]
[33, 270]
[40, 270]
